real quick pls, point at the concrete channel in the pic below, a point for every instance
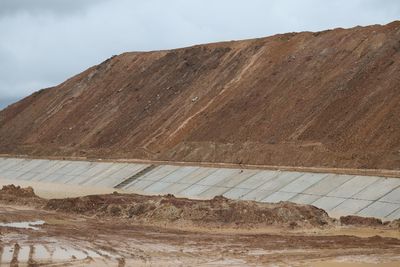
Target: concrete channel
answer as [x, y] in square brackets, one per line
[338, 194]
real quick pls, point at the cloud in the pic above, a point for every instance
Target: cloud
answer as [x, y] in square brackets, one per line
[12, 7]
[44, 42]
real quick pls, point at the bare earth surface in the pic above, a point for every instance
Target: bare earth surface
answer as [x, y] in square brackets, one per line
[99, 232]
[325, 99]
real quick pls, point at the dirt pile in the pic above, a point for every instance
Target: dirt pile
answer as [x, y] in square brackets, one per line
[219, 211]
[303, 99]
[360, 221]
[17, 195]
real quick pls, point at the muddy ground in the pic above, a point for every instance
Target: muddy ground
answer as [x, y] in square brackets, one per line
[103, 230]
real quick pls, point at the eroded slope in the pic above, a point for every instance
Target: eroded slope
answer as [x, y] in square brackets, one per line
[303, 99]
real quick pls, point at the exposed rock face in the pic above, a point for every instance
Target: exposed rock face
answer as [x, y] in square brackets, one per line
[330, 98]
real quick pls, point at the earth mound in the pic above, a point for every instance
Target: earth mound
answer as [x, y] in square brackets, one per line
[17, 195]
[218, 211]
[324, 99]
[360, 221]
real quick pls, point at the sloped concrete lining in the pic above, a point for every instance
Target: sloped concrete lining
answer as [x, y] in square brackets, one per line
[337, 194]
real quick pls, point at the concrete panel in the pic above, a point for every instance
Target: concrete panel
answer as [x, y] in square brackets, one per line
[12, 175]
[11, 163]
[81, 167]
[328, 184]
[129, 170]
[107, 175]
[353, 186]
[350, 206]
[197, 175]
[257, 194]
[19, 165]
[139, 185]
[2, 160]
[328, 203]
[394, 215]
[303, 182]
[58, 164]
[378, 189]
[280, 181]
[179, 174]
[236, 193]
[28, 176]
[194, 190]
[5, 162]
[31, 165]
[233, 181]
[214, 191]
[96, 169]
[157, 187]
[278, 196]
[91, 176]
[258, 179]
[158, 173]
[378, 209]
[393, 196]
[40, 176]
[121, 175]
[304, 198]
[218, 176]
[68, 168]
[47, 167]
[57, 178]
[66, 178]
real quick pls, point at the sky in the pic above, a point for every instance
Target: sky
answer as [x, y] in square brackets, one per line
[44, 42]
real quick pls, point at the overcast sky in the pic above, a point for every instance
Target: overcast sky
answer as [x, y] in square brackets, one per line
[43, 42]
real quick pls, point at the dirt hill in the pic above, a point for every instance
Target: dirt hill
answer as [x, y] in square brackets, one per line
[329, 98]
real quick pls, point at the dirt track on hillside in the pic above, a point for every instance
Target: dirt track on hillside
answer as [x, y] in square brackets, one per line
[91, 231]
[326, 99]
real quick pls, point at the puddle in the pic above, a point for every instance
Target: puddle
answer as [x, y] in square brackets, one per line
[50, 253]
[23, 225]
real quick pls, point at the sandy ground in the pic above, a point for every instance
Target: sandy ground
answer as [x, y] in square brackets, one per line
[57, 238]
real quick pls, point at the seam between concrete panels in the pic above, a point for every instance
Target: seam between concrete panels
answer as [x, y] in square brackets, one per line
[388, 194]
[233, 187]
[192, 171]
[189, 185]
[237, 187]
[93, 176]
[365, 188]
[398, 209]
[374, 203]
[305, 189]
[326, 194]
[353, 177]
[153, 182]
[254, 189]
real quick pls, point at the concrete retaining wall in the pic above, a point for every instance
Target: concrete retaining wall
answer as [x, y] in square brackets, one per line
[337, 194]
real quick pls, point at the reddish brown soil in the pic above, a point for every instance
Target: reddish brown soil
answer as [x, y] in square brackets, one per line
[361, 221]
[209, 213]
[301, 99]
[16, 195]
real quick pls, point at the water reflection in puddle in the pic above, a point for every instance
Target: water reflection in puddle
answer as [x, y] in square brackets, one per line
[48, 253]
[23, 225]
